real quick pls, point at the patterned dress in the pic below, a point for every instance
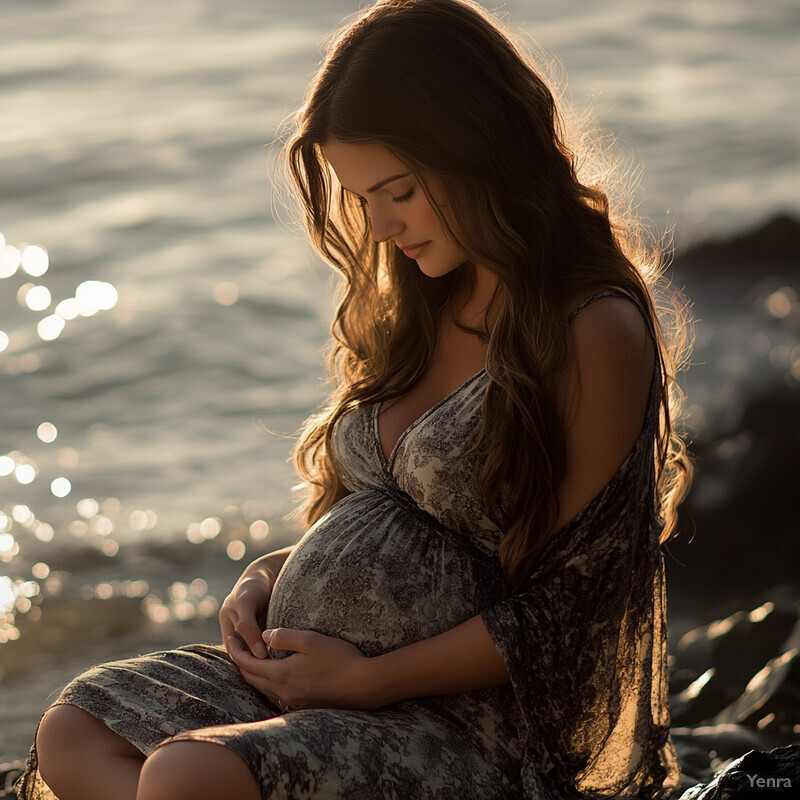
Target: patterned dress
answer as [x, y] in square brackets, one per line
[408, 554]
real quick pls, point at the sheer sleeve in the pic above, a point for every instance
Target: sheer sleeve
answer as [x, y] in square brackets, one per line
[585, 645]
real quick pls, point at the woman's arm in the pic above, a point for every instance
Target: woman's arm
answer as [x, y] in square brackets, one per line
[459, 660]
[326, 672]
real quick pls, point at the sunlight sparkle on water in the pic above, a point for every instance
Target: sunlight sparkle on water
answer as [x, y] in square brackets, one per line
[35, 260]
[10, 259]
[25, 473]
[22, 514]
[68, 308]
[143, 520]
[259, 530]
[226, 293]
[210, 527]
[236, 550]
[50, 327]
[38, 298]
[44, 532]
[7, 594]
[61, 487]
[94, 296]
[87, 507]
[47, 432]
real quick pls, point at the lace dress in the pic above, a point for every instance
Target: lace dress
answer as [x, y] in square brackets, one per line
[409, 554]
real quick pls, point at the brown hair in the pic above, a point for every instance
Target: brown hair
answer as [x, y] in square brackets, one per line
[487, 126]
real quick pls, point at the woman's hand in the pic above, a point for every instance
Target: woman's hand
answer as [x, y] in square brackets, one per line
[244, 610]
[322, 672]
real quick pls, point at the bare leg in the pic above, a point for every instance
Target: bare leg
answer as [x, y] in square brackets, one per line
[189, 770]
[82, 759]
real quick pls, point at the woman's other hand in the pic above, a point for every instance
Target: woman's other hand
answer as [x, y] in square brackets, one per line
[244, 610]
[321, 672]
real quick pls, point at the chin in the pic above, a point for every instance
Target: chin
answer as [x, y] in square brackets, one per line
[439, 270]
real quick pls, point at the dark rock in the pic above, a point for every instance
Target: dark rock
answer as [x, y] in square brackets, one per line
[756, 774]
[723, 741]
[700, 701]
[740, 511]
[776, 242]
[772, 697]
[9, 772]
[736, 647]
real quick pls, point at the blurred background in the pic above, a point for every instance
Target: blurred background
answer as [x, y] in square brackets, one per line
[161, 335]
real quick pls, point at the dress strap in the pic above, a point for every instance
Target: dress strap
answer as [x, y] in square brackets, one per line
[615, 292]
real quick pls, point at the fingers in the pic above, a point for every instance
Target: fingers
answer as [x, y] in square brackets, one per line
[250, 633]
[288, 639]
[245, 627]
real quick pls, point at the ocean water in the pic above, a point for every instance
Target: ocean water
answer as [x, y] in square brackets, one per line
[137, 151]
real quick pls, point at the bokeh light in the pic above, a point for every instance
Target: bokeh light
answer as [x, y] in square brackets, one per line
[22, 514]
[210, 527]
[47, 432]
[10, 259]
[236, 550]
[25, 473]
[3, 341]
[61, 487]
[259, 530]
[68, 309]
[40, 570]
[38, 298]
[44, 532]
[87, 507]
[6, 466]
[35, 260]
[226, 293]
[94, 296]
[50, 327]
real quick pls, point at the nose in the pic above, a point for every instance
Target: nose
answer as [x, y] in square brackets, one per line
[385, 224]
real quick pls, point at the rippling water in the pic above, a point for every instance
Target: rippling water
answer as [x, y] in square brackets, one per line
[161, 337]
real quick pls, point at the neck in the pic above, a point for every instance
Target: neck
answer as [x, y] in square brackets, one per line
[471, 310]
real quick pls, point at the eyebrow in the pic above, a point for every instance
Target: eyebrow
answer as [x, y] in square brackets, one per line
[383, 183]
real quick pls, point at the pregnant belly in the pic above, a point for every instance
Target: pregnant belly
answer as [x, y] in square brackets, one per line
[378, 574]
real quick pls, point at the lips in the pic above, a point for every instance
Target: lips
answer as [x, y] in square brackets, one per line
[415, 250]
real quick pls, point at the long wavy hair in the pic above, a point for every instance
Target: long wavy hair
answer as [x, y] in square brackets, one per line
[444, 88]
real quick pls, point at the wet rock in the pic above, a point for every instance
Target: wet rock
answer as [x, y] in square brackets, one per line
[699, 701]
[772, 698]
[735, 647]
[756, 774]
[9, 772]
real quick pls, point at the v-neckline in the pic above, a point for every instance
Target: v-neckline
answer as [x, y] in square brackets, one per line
[376, 410]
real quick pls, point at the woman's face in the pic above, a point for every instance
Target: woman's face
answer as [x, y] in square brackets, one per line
[396, 204]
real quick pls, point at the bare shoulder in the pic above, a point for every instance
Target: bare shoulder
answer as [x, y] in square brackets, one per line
[601, 395]
[609, 320]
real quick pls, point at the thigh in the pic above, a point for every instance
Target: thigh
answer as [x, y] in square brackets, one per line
[150, 698]
[339, 753]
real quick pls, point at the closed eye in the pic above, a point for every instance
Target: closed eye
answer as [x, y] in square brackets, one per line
[405, 197]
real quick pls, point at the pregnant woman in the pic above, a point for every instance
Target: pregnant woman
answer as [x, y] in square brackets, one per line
[477, 607]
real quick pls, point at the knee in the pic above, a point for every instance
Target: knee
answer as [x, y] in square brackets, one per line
[63, 731]
[62, 727]
[193, 770]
